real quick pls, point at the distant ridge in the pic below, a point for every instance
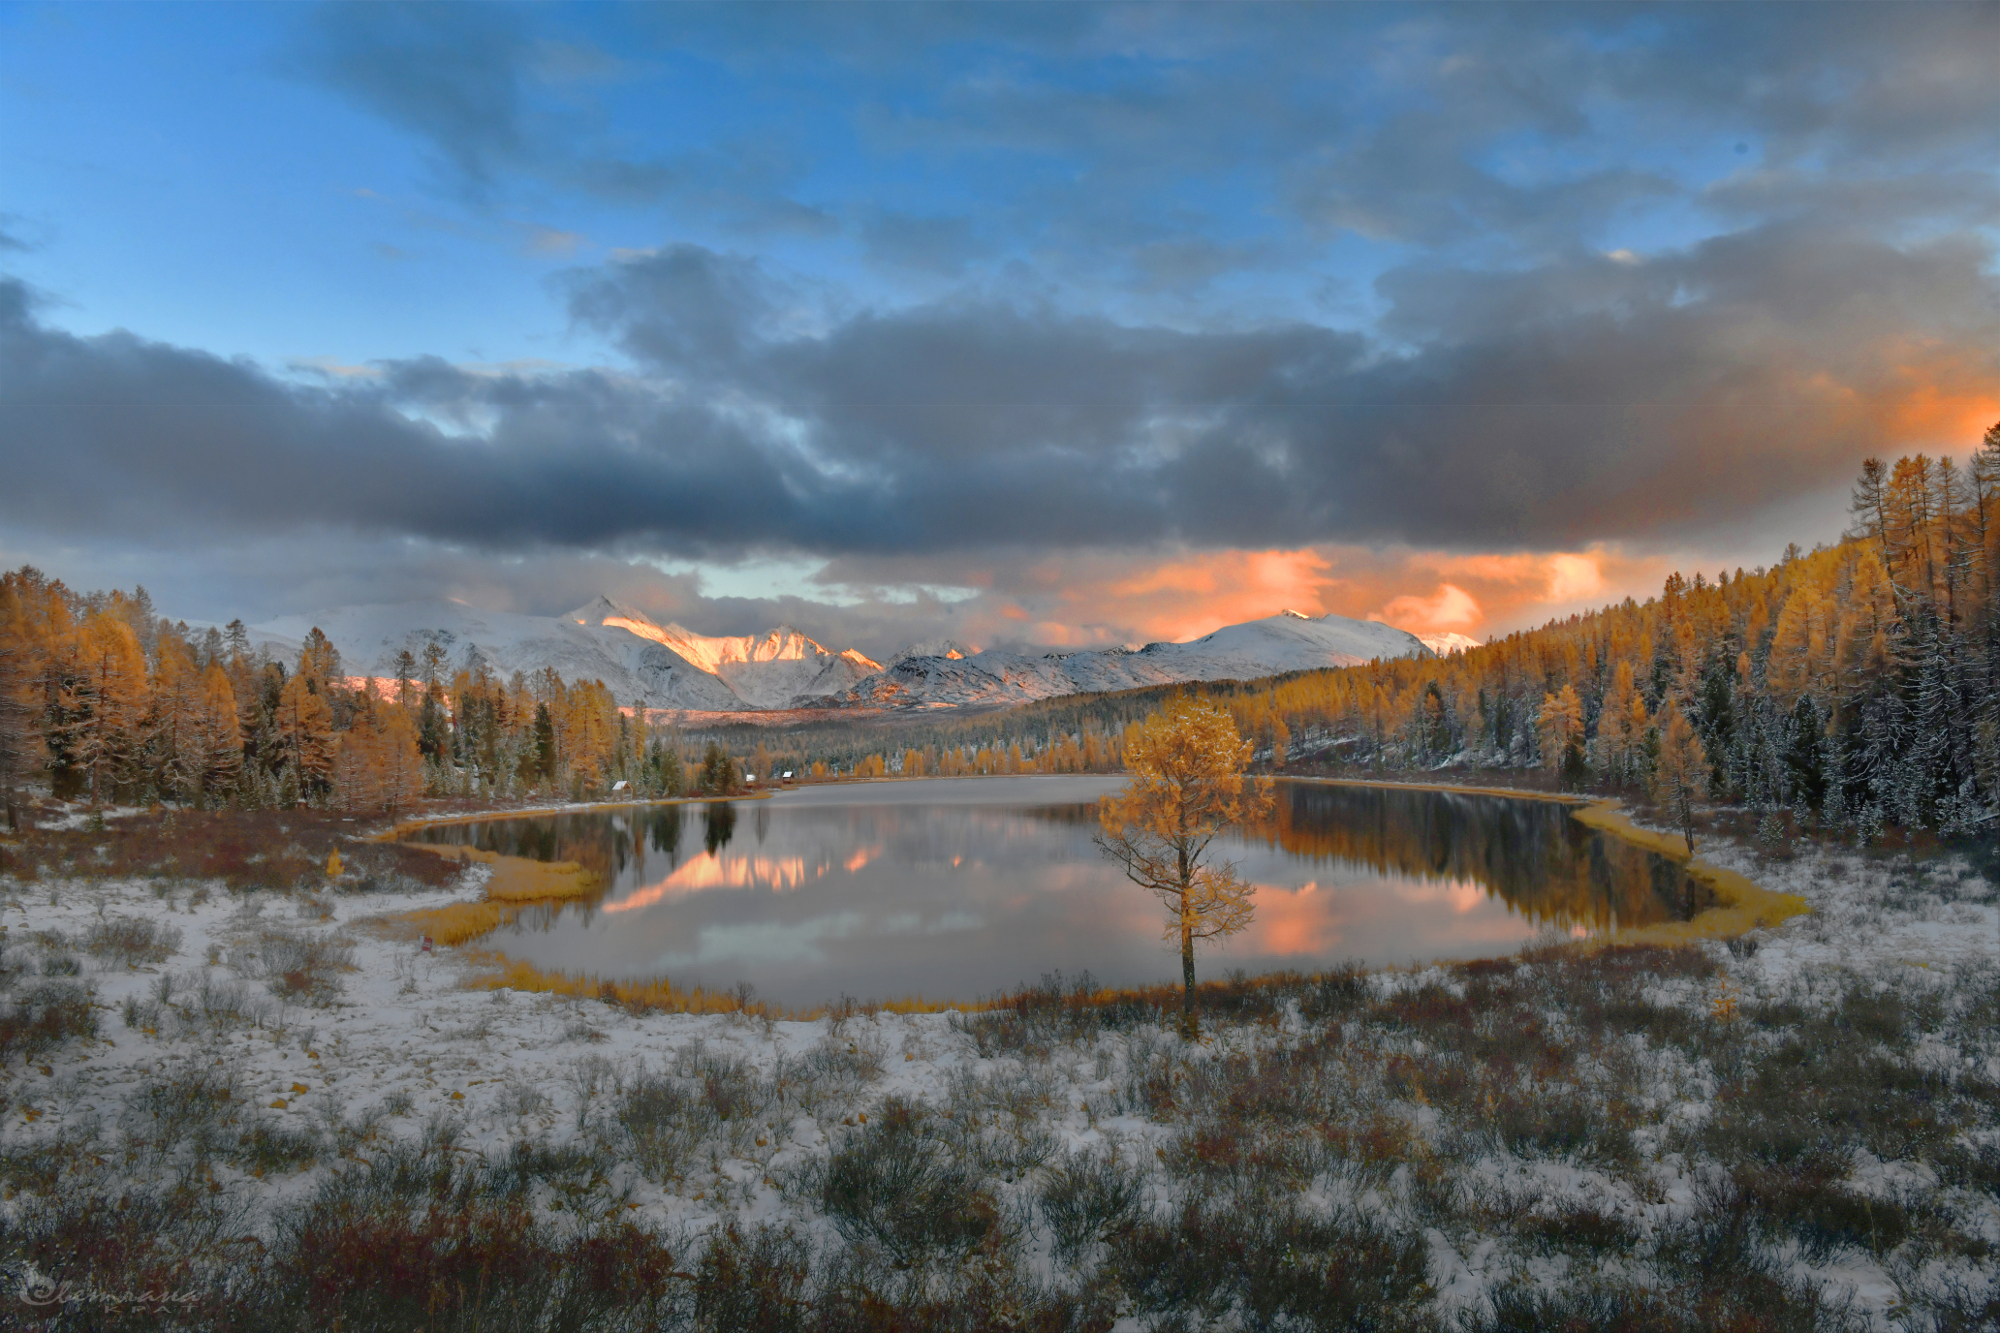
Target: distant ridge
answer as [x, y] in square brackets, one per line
[1448, 643]
[669, 666]
[1287, 641]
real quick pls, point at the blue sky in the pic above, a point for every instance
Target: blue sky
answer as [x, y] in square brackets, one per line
[975, 293]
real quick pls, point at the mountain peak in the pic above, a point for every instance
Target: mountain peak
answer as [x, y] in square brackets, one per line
[947, 648]
[601, 609]
[1295, 615]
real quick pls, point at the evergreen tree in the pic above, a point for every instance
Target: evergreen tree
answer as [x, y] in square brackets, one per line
[1680, 777]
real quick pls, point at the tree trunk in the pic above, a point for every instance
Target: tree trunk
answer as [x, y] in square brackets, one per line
[1189, 1027]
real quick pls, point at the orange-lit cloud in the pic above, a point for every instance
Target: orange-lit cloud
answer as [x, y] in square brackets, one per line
[1294, 921]
[776, 873]
[1449, 608]
[1096, 599]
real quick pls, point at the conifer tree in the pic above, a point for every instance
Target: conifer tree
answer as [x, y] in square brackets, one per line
[218, 732]
[1680, 777]
[103, 701]
[303, 724]
[174, 719]
[1187, 764]
[1560, 729]
[720, 775]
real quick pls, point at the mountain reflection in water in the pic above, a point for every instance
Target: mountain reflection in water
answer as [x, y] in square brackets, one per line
[962, 888]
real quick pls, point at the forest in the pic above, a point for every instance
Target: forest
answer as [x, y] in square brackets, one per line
[1857, 685]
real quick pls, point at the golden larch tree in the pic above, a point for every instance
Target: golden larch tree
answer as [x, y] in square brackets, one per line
[1681, 777]
[1560, 727]
[304, 724]
[104, 699]
[218, 731]
[1188, 785]
[174, 721]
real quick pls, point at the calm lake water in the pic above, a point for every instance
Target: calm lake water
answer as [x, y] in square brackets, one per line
[958, 889]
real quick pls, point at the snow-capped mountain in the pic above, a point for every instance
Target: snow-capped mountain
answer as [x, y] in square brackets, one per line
[1288, 641]
[951, 648]
[769, 670]
[668, 666]
[661, 666]
[1450, 642]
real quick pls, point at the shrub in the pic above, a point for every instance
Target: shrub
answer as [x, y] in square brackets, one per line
[303, 967]
[61, 965]
[185, 1110]
[268, 1146]
[482, 1264]
[43, 1016]
[759, 1281]
[663, 1121]
[132, 941]
[1087, 1199]
[1276, 1267]
[893, 1184]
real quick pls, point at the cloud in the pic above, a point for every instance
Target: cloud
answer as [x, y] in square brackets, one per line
[454, 76]
[1583, 401]
[941, 245]
[1449, 608]
[552, 241]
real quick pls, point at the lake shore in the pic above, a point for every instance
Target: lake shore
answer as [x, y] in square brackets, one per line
[1454, 1177]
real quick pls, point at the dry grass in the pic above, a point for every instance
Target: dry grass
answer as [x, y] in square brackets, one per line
[454, 923]
[1740, 907]
[517, 879]
[658, 995]
[262, 849]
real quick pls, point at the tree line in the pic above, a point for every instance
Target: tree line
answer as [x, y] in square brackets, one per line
[1857, 684]
[113, 702]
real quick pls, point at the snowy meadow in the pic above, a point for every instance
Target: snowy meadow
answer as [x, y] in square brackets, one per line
[265, 1105]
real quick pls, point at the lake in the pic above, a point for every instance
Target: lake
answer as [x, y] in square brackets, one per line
[961, 888]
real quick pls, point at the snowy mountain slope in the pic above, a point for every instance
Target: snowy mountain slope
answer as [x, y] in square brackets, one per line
[669, 666]
[1450, 642]
[662, 666]
[951, 648]
[770, 670]
[1287, 641]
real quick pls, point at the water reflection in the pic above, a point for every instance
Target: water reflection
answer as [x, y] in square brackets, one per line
[963, 888]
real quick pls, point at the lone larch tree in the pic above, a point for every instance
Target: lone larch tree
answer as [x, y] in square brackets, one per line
[1188, 784]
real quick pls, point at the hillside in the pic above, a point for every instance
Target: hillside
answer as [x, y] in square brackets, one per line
[670, 667]
[661, 666]
[1288, 641]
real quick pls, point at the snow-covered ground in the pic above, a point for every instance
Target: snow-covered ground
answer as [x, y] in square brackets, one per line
[369, 1042]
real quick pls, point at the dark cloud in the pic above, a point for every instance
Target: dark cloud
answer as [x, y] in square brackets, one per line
[1586, 399]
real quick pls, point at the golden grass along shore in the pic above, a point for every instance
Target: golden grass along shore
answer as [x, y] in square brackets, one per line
[1742, 905]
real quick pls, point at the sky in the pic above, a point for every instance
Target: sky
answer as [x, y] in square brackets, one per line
[1053, 324]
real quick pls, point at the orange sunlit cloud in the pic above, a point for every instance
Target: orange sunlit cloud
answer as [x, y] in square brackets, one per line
[1938, 397]
[776, 873]
[1294, 921]
[1449, 608]
[1133, 597]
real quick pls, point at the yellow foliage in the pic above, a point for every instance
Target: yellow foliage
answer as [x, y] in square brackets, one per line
[1187, 763]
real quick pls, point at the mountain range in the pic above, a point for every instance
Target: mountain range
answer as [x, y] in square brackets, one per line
[667, 666]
